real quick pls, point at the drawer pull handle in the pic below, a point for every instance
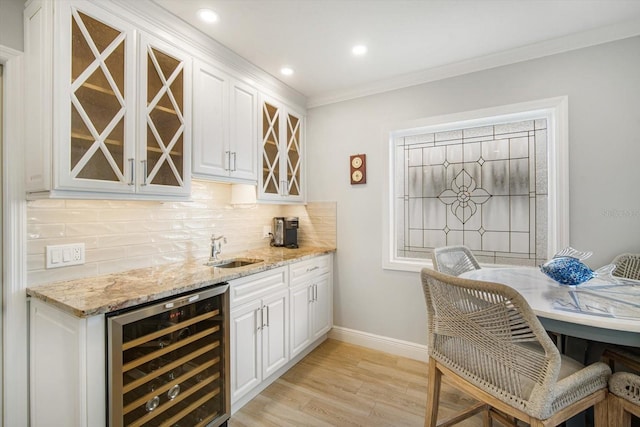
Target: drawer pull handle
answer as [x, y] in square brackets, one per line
[312, 269]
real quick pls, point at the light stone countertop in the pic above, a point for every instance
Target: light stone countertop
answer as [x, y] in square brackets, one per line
[98, 295]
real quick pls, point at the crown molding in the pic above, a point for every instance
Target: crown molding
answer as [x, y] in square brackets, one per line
[153, 18]
[533, 51]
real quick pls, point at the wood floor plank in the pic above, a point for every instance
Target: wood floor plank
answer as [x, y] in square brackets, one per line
[340, 384]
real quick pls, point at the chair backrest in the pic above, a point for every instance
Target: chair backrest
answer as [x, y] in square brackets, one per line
[488, 334]
[454, 260]
[627, 266]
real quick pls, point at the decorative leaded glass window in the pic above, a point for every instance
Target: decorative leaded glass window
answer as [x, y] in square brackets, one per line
[481, 183]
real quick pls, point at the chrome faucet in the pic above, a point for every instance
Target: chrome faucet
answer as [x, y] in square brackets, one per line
[216, 246]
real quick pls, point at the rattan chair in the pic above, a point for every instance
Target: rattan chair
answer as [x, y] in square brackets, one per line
[454, 260]
[487, 341]
[627, 266]
[624, 398]
[627, 356]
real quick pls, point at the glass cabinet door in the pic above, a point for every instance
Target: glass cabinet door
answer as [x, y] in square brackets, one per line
[281, 147]
[270, 149]
[294, 158]
[166, 112]
[99, 112]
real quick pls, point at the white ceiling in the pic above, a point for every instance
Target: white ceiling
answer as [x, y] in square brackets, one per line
[408, 40]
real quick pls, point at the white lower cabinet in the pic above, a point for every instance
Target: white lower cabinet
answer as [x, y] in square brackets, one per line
[277, 317]
[259, 328]
[311, 302]
[67, 365]
[259, 344]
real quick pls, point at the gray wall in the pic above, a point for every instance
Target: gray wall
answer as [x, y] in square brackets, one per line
[11, 24]
[603, 86]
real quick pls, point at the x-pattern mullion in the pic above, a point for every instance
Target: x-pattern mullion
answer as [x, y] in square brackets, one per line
[166, 88]
[99, 140]
[271, 131]
[293, 141]
[166, 152]
[98, 62]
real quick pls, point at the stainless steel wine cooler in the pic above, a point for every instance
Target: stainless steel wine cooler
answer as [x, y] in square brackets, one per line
[168, 363]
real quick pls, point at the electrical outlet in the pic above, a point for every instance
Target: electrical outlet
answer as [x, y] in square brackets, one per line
[266, 232]
[65, 255]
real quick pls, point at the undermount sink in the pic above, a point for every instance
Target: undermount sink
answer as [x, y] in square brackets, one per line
[233, 262]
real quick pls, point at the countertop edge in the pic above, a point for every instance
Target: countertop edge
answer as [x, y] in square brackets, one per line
[68, 296]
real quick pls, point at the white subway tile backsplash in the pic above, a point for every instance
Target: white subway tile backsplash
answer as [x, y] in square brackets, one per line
[123, 235]
[96, 228]
[123, 264]
[128, 214]
[45, 231]
[46, 204]
[103, 254]
[48, 216]
[118, 240]
[40, 276]
[37, 246]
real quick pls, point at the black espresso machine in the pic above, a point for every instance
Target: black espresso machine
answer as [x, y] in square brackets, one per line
[285, 232]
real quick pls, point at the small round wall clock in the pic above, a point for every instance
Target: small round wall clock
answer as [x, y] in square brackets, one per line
[358, 169]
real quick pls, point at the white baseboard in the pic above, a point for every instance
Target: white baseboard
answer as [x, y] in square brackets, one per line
[377, 342]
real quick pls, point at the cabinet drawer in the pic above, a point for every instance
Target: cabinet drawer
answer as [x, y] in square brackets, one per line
[301, 271]
[257, 285]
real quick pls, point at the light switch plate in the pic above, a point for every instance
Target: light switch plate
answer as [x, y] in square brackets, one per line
[64, 255]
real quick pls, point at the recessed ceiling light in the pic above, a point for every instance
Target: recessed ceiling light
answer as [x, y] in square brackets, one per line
[359, 50]
[286, 71]
[207, 15]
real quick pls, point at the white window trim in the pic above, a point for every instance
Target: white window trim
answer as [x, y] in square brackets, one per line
[555, 110]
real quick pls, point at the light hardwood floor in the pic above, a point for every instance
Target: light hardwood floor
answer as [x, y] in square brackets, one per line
[340, 384]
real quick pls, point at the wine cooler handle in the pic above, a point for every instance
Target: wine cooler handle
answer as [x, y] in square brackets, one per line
[180, 302]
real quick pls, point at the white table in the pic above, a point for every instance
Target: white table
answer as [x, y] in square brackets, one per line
[597, 310]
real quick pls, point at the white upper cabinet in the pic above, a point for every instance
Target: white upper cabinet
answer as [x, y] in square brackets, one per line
[225, 126]
[281, 151]
[115, 92]
[164, 149]
[92, 138]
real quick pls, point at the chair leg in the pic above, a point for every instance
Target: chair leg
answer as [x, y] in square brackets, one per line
[618, 417]
[601, 413]
[486, 418]
[433, 395]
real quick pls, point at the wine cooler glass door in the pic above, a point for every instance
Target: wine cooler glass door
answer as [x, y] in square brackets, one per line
[168, 363]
